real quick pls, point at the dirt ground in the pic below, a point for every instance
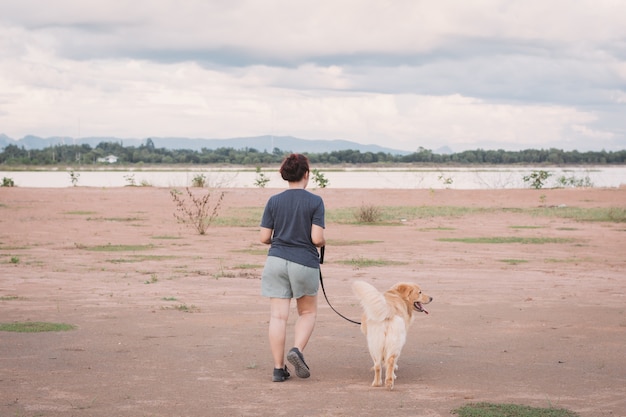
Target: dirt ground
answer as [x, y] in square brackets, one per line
[176, 327]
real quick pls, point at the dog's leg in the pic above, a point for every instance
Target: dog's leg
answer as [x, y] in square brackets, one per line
[378, 378]
[390, 374]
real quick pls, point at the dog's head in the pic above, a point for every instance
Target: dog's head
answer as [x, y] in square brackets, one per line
[413, 295]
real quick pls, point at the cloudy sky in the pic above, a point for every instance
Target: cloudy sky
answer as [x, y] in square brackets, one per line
[491, 74]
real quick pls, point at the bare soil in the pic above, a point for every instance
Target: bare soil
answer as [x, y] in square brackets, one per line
[174, 325]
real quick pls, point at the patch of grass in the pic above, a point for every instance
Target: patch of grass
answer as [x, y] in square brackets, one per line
[169, 299]
[253, 251]
[526, 227]
[116, 248]
[117, 219]
[248, 266]
[14, 247]
[594, 214]
[510, 410]
[435, 229]
[80, 213]
[184, 308]
[9, 298]
[141, 258]
[513, 261]
[567, 260]
[339, 242]
[166, 237]
[240, 217]
[35, 327]
[393, 214]
[508, 239]
[361, 262]
[153, 279]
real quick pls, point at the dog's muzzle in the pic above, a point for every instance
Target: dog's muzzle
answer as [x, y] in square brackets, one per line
[419, 307]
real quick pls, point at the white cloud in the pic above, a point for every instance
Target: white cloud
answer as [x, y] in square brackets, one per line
[403, 74]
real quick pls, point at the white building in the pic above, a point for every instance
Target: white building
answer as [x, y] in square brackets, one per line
[110, 159]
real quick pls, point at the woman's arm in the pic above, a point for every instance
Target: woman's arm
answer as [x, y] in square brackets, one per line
[317, 236]
[266, 235]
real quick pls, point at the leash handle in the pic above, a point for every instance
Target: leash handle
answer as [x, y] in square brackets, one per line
[322, 254]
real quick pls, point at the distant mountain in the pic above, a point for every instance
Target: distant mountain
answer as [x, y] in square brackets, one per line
[260, 143]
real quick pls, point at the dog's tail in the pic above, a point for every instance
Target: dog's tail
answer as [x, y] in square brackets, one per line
[372, 301]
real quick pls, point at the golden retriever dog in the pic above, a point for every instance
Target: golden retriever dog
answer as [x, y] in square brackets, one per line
[386, 319]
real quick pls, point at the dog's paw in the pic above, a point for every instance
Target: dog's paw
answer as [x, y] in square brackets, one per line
[389, 384]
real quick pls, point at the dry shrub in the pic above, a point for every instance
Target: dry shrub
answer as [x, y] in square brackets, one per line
[196, 211]
[368, 214]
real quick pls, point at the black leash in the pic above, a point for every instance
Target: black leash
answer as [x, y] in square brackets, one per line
[324, 291]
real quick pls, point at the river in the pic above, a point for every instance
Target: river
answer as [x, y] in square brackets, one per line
[401, 178]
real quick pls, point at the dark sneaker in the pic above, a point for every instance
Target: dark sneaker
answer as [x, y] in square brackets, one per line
[280, 374]
[297, 360]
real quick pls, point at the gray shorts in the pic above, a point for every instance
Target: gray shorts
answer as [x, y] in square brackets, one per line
[285, 279]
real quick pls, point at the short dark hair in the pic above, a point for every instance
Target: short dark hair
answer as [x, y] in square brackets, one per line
[294, 167]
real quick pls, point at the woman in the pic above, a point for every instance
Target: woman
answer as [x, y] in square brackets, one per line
[293, 224]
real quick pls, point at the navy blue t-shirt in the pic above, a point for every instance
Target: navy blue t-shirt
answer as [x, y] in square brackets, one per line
[291, 214]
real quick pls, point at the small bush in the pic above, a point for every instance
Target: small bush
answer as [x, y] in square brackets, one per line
[574, 182]
[199, 180]
[368, 214]
[7, 182]
[320, 179]
[261, 179]
[537, 179]
[196, 211]
[74, 177]
[130, 180]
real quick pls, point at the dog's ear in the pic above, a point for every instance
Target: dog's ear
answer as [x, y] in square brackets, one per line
[405, 290]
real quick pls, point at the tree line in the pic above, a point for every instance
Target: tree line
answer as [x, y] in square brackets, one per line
[80, 155]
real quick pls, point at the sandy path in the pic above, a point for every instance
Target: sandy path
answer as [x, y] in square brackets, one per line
[178, 328]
